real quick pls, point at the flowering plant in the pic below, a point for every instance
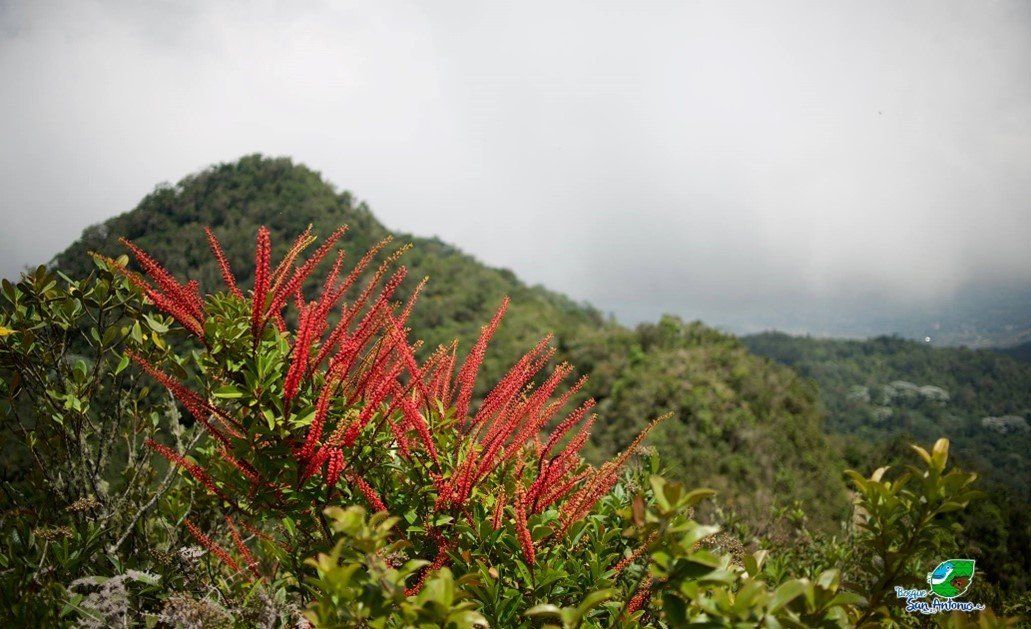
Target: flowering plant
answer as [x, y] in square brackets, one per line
[313, 402]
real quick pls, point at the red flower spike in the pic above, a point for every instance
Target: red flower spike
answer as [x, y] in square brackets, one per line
[197, 406]
[416, 421]
[438, 562]
[279, 321]
[521, 426]
[261, 283]
[371, 406]
[366, 490]
[317, 422]
[567, 424]
[534, 418]
[315, 464]
[517, 377]
[359, 268]
[248, 558]
[246, 469]
[440, 387]
[211, 546]
[329, 284]
[499, 511]
[634, 556]
[194, 470]
[573, 447]
[603, 481]
[223, 263]
[369, 322]
[400, 438]
[523, 532]
[558, 493]
[279, 275]
[372, 370]
[301, 273]
[170, 288]
[300, 355]
[402, 347]
[467, 376]
[378, 276]
[410, 304]
[178, 311]
[644, 592]
[335, 468]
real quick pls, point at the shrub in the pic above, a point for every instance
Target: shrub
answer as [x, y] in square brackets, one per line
[339, 411]
[78, 482]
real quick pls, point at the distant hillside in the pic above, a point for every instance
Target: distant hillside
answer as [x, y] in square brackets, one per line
[881, 394]
[744, 425]
[879, 388]
[1020, 352]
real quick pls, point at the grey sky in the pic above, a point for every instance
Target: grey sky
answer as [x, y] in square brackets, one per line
[709, 159]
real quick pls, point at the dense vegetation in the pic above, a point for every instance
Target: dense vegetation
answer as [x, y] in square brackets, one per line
[888, 386]
[1021, 352]
[92, 517]
[486, 515]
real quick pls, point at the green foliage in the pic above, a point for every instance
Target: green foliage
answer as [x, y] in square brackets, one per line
[743, 426]
[699, 587]
[356, 585]
[77, 482]
[900, 524]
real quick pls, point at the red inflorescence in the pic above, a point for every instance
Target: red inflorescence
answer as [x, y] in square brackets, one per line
[366, 490]
[211, 546]
[525, 540]
[644, 592]
[223, 263]
[252, 563]
[261, 281]
[373, 382]
[195, 470]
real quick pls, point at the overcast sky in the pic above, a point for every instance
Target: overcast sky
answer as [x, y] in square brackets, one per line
[709, 159]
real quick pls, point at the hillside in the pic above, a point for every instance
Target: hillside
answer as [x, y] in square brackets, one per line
[881, 394]
[883, 387]
[744, 425]
[1020, 352]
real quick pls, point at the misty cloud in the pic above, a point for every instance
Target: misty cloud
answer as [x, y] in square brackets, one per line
[714, 160]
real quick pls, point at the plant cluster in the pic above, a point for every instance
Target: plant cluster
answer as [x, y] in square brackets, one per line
[332, 473]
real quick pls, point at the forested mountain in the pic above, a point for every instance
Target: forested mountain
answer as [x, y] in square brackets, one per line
[741, 424]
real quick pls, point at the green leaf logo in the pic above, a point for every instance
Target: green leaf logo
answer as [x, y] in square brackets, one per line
[952, 577]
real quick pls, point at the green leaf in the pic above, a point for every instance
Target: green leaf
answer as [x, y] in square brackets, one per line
[155, 325]
[228, 392]
[545, 610]
[595, 599]
[786, 593]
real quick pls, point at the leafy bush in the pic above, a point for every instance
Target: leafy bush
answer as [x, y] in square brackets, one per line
[309, 401]
[78, 482]
[341, 412]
